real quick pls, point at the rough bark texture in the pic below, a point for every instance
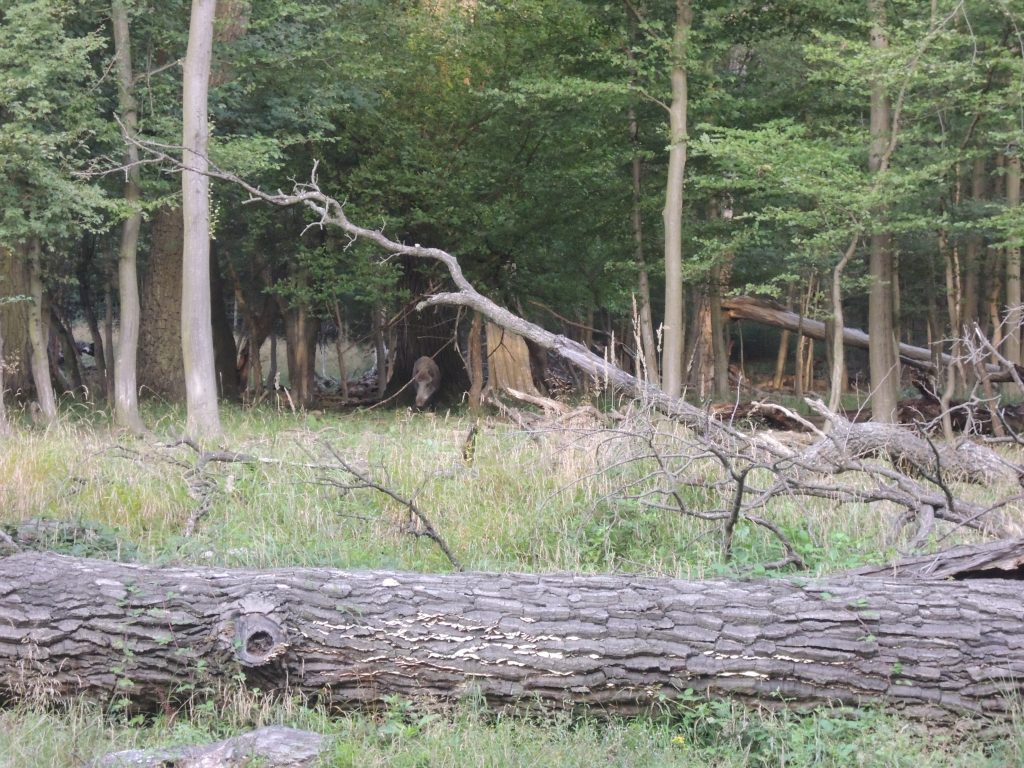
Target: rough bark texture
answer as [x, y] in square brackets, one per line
[74, 625]
[160, 362]
[508, 361]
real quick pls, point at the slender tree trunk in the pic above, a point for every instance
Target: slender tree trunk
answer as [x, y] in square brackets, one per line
[673, 328]
[14, 317]
[1012, 340]
[884, 364]
[108, 340]
[69, 349]
[85, 296]
[476, 362]
[300, 331]
[272, 374]
[126, 388]
[380, 351]
[648, 351]
[837, 383]
[203, 418]
[973, 251]
[38, 334]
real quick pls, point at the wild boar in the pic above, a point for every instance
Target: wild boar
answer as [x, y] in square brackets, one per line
[427, 378]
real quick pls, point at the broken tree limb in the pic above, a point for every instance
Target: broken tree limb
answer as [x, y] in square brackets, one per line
[965, 461]
[775, 315]
[930, 648]
[890, 484]
[1002, 559]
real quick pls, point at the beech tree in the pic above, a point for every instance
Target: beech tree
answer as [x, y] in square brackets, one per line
[126, 398]
[196, 322]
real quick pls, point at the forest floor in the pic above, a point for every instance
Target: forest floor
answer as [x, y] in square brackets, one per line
[524, 502]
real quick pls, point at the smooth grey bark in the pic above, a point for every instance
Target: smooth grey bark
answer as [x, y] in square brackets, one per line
[126, 388]
[931, 648]
[837, 378]
[203, 419]
[674, 331]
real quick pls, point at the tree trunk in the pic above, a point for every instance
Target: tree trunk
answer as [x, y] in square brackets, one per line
[884, 364]
[159, 349]
[973, 250]
[300, 331]
[225, 350]
[69, 349]
[86, 265]
[203, 418]
[476, 362]
[1012, 341]
[648, 351]
[837, 379]
[508, 361]
[126, 387]
[14, 318]
[930, 648]
[38, 334]
[673, 329]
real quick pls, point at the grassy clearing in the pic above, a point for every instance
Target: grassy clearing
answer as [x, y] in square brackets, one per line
[527, 502]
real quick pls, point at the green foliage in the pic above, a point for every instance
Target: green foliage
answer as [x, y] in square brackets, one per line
[49, 122]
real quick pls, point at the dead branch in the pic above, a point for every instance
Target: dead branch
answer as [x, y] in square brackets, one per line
[849, 449]
[363, 480]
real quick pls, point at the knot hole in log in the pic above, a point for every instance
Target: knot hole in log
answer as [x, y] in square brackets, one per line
[258, 640]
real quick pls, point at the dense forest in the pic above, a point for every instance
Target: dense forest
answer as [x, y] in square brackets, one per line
[610, 171]
[511, 382]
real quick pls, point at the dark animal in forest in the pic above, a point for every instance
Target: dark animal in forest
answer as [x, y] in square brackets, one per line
[427, 378]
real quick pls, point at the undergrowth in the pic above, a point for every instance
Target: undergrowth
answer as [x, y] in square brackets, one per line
[524, 503]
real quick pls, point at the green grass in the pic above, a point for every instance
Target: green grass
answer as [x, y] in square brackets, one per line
[544, 504]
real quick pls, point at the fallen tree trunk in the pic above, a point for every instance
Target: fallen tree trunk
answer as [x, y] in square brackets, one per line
[775, 315]
[71, 625]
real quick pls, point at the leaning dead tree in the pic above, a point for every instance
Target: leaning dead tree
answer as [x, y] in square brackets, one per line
[150, 635]
[930, 493]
